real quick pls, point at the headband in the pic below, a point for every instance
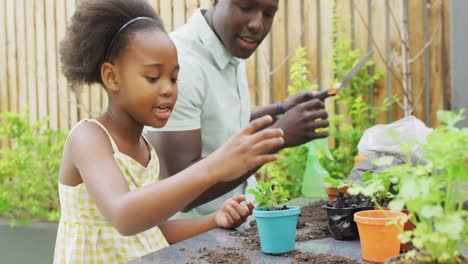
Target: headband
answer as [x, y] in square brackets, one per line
[122, 28]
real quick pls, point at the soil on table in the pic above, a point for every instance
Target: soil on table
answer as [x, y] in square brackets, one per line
[312, 224]
[221, 255]
[301, 257]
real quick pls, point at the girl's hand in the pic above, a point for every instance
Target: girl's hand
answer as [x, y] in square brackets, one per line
[248, 149]
[232, 214]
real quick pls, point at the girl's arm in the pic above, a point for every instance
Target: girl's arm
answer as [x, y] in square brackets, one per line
[230, 215]
[132, 212]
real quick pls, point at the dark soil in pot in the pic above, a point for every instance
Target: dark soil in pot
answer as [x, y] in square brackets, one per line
[341, 212]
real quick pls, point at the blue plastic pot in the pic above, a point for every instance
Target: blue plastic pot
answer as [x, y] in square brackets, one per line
[277, 229]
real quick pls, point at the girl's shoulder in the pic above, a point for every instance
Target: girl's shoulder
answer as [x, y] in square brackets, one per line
[90, 135]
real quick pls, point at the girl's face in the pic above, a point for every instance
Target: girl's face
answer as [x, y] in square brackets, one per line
[146, 76]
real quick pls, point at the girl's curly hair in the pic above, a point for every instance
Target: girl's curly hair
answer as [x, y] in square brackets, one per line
[91, 30]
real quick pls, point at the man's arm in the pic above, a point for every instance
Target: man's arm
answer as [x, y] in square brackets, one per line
[178, 150]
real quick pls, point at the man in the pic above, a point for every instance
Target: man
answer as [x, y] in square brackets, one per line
[214, 99]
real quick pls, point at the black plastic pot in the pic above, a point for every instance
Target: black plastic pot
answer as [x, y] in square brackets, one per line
[341, 223]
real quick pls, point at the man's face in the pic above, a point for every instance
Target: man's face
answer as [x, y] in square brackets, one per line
[243, 24]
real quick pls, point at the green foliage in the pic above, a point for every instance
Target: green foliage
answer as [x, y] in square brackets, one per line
[288, 170]
[298, 73]
[434, 192]
[354, 113]
[381, 186]
[29, 168]
[266, 196]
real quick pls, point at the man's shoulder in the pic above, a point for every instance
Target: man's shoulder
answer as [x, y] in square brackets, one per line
[188, 44]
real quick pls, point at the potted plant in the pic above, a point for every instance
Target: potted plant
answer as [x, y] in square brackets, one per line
[340, 214]
[434, 194]
[379, 186]
[276, 222]
[382, 187]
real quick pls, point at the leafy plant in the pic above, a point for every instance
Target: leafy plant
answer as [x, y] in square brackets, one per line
[288, 170]
[432, 189]
[434, 193]
[380, 186]
[265, 196]
[354, 114]
[29, 168]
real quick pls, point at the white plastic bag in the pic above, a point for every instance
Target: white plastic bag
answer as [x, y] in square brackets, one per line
[376, 140]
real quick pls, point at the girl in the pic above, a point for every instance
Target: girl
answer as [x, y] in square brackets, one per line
[113, 207]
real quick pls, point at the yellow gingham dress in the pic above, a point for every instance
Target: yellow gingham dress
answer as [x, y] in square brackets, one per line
[84, 236]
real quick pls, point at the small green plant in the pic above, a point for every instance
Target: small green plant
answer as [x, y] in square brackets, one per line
[29, 168]
[434, 193]
[380, 186]
[266, 197]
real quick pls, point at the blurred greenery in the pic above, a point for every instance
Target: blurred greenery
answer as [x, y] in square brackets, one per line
[29, 168]
[354, 112]
[288, 171]
[353, 116]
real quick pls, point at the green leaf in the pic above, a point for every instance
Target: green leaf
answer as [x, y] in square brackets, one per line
[449, 117]
[383, 161]
[451, 225]
[428, 211]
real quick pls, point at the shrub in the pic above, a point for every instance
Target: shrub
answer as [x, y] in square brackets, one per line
[29, 168]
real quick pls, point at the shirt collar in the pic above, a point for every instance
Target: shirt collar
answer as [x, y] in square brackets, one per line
[209, 39]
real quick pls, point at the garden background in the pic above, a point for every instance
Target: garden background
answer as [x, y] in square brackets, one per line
[410, 40]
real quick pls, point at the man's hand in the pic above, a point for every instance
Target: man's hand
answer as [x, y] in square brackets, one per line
[300, 123]
[298, 98]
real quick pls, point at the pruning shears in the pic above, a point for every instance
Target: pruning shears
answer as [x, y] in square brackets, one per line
[346, 79]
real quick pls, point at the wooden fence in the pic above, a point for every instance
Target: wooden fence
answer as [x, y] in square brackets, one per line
[30, 31]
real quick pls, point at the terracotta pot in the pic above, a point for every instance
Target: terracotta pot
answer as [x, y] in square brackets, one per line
[379, 238]
[333, 192]
[408, 227]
